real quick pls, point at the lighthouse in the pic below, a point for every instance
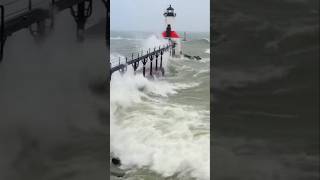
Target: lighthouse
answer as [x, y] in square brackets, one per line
[170, 32]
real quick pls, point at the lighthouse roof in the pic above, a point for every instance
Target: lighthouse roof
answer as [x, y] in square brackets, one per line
[170, 8]
[170, 12]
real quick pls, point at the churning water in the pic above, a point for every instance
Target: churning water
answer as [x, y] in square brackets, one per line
[160, 127]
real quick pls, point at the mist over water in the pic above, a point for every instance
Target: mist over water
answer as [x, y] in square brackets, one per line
[160, 128]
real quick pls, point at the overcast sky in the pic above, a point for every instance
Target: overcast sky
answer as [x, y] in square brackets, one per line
[147, 15]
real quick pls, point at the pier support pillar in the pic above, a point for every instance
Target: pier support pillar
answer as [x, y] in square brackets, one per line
[157, 55]
[151, 58]
[134, 67]
[161, 68]
[144, 62]
[161, 53]
[39, 28]
[83, 12]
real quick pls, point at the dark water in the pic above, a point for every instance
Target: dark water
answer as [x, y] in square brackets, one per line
[53, 104]
[265, 101]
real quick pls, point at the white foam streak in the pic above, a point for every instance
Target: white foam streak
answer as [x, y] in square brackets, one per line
[128, 39]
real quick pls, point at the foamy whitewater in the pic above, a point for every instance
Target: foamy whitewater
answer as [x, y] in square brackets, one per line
[160, 128]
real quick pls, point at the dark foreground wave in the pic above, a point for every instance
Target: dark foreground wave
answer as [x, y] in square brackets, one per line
[265, 90]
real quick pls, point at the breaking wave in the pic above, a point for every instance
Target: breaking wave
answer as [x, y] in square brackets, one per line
[149, 131]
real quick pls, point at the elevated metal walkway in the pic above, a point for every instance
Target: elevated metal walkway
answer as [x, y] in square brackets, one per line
[38, 16]
[157, 54]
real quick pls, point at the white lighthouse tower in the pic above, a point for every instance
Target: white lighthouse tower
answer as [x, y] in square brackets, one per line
[169, 33]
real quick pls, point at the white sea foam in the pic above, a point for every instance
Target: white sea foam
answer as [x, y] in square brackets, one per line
[128, 39]
[207, 51]
[147, 131]
[202, 71]
[206, 39]
[157, 135]
[204, 60]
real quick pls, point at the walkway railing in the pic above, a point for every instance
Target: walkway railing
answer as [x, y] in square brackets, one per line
[121, 64]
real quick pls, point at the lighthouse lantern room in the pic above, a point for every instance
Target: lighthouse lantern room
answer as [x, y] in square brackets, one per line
[169, 16]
